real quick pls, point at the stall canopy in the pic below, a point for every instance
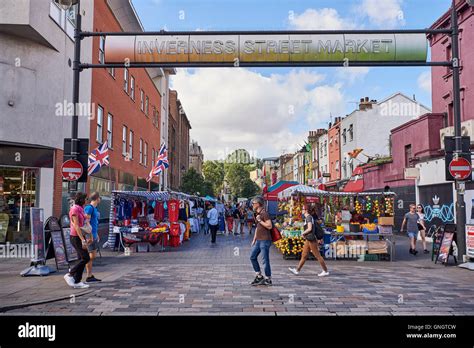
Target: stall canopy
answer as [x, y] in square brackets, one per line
[311, 191]
[274, 190]
[153, 195]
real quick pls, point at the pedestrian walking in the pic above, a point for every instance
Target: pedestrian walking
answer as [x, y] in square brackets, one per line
[79, 241]
[311, 243]
[237, 216]
[92, 214]
[229, 219]
[411, 220]
[250, 220]
[212, 216]
[422, 226]
[242, 219]
[206, 220]
[262, 241]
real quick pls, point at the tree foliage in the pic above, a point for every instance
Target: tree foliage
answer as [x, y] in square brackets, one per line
[214, 173]
[193, 183]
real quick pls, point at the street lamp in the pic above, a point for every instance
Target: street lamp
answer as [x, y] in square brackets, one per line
[66, 4]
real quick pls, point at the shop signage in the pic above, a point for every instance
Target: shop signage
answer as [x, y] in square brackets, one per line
[37, 234]
[277, 48]
[26, 156]
[445, 248]
[71, 254]
[470, 241]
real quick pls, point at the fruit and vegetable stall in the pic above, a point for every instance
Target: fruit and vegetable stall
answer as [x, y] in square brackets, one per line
[357, 225]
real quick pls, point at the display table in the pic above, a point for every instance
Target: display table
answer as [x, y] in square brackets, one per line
[336, 237]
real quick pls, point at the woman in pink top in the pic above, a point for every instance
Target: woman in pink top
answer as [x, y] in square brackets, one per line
[78, 241]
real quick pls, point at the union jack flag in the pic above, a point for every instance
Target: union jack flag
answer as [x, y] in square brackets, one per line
[97, 158]
[161, 162]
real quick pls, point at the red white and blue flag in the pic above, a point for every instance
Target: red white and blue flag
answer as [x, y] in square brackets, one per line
[161, 163]
[97, 158]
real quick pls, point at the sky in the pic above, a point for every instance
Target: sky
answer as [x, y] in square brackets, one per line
[269, 111]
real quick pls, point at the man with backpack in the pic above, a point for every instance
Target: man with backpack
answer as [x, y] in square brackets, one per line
[312, 232]
[93, 215]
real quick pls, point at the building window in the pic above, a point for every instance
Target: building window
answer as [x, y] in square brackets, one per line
[351, 132]
[130, 145]
[111, 71]
[145, 156]
[344, 138]
[146, 106]
[344, 169]
[101, 49]
[152, 157]
[124, 140]
[325, 148]
[125, 80]
[109, 130]
[407, 155]
[141, 151]
[100, 122]
[142, 100]
[132, 87]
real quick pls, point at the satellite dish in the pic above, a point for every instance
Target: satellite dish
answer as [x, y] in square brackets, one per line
[66, 4]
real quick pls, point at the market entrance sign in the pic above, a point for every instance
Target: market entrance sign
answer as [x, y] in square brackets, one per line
[291, 48]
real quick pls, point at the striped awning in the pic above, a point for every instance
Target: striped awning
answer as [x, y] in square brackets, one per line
[304, 190]
[149, 195]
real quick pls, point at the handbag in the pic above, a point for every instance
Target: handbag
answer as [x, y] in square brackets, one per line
[275, 233]
[420, 227]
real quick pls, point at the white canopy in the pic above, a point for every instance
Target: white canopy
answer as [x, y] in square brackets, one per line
[311, 191]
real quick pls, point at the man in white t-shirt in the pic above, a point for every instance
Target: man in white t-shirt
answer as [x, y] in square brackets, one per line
[213, 217]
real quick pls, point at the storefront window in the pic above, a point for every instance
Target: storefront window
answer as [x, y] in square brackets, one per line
[18, 193]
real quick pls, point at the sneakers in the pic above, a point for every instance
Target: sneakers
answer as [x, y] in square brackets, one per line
[426, 251]
[323, 274]
[413, 251]
[266, 282]
[69, 279]
[92, 279]
[293, 270]
[80, 285]
[258, 280]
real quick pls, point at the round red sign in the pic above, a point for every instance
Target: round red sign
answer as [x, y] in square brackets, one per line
[71, 170]
[460, 168]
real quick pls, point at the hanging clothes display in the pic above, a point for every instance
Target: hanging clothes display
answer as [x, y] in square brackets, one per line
[173, 210]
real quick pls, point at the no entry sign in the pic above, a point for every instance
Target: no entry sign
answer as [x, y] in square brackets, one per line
[71, 170]
[460, 168]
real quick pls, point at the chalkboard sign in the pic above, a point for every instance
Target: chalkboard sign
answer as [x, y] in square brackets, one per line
[59, 250]
[71, 254]
[37, 234]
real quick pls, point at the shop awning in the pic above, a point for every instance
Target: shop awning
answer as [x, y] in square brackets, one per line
[356, 182]
[272, 194]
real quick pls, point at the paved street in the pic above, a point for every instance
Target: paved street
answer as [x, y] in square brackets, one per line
[198, 279]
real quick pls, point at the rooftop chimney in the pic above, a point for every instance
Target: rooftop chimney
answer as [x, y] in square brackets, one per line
[365, 103]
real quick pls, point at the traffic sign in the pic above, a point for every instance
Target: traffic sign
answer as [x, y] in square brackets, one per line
[460, 168]
[72, 170]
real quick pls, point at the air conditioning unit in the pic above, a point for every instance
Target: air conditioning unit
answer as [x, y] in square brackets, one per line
[467, 129]
[445, 132]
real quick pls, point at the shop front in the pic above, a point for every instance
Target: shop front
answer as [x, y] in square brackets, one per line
[25, 173]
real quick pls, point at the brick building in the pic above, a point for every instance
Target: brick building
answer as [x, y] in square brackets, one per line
[196, 157]
[127, 111]
[334, 153]
[178, 135]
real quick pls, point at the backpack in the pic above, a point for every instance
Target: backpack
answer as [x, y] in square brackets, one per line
[318, 230]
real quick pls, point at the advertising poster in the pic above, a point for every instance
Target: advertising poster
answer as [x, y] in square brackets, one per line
[470, 241]
[445, 246]
[59, 250]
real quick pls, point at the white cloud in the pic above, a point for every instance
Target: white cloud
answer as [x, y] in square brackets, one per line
[351, 75]
[424, 81]
[232, 108]
[383, 13]
[320, 19]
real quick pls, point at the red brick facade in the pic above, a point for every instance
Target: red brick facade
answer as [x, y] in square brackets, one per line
[109, 93]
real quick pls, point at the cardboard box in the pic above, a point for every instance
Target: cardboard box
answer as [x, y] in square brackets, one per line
[386, 221]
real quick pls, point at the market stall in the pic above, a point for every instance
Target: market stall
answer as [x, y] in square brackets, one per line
[151, 220]
[357, 225]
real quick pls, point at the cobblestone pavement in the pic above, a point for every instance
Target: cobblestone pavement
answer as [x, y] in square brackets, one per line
[200, 279]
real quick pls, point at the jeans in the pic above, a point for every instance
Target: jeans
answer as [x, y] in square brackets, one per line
[261, 246]
[213, 229]
[84, 259]
[206, 225]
